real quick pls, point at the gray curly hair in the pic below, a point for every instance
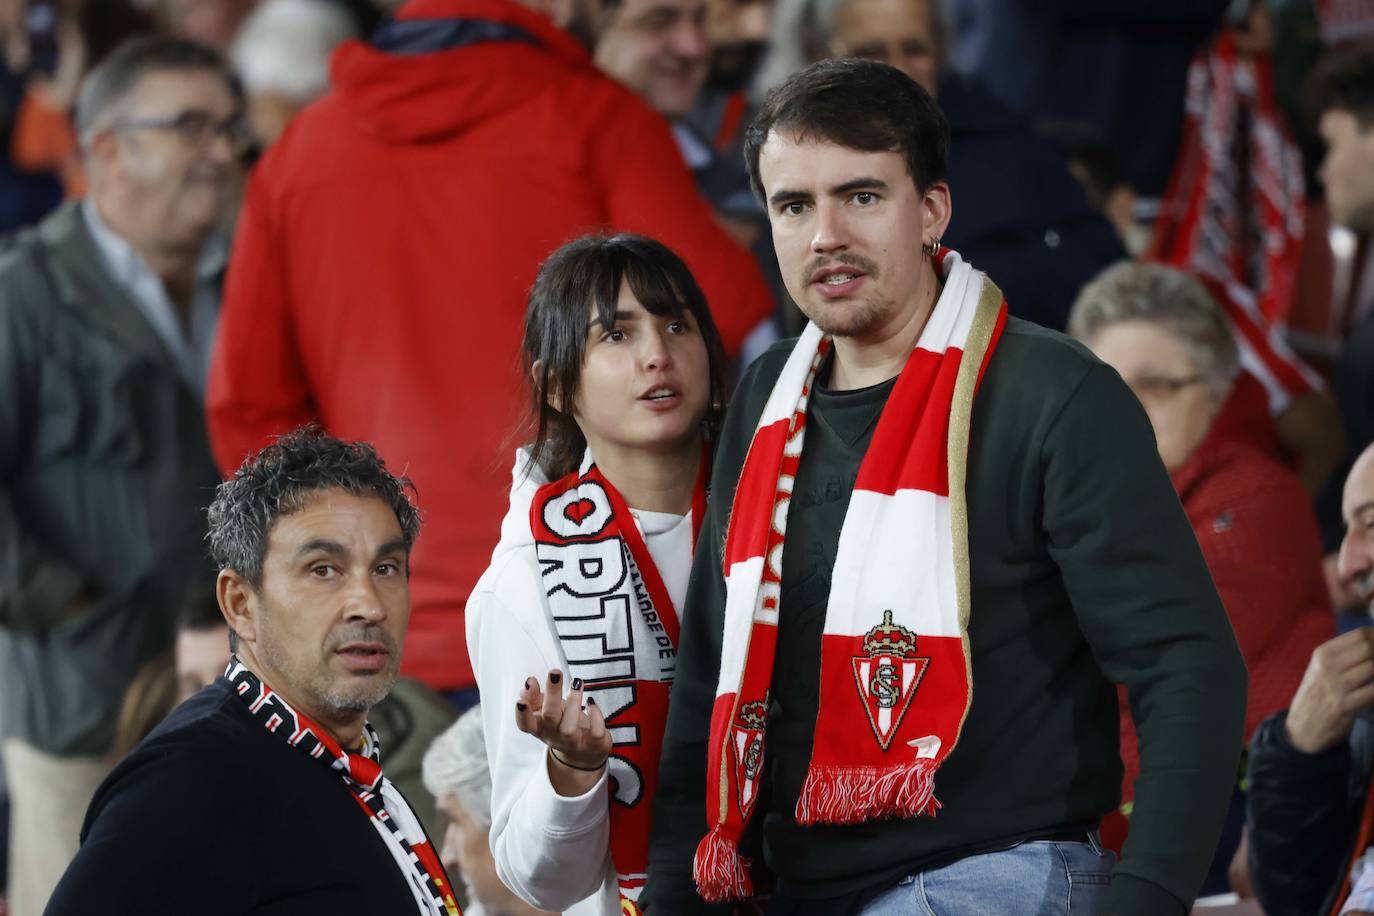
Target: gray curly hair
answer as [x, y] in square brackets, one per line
[1170, 299]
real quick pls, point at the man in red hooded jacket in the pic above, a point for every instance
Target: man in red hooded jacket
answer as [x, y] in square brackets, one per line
[386, 246]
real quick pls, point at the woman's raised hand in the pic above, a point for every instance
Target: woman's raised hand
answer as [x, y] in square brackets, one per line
[575, 733]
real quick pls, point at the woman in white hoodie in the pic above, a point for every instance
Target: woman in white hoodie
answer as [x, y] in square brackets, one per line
[584, 589]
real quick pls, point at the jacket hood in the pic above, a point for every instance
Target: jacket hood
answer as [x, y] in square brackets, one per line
[442, 65]
[515, 527]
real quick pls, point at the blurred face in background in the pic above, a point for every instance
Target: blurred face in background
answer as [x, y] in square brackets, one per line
[658, 48]
[466, 851]
[210, 22]
[1348, 170]
[164, 171]
[1156, 365]
[737, 31]
[900, 33]
[201, 656]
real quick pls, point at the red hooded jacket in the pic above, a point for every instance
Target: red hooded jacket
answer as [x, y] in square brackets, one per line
[386, 248]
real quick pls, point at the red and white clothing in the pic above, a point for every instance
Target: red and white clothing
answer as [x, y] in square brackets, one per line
[554, 852]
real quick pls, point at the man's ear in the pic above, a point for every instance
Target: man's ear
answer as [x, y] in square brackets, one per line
[237, 604]
[938, 209]
[101, 149]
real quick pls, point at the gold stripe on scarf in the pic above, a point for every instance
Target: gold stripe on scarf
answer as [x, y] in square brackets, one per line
[960, 416]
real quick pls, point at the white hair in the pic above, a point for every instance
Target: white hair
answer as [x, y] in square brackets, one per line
[283, 47]
[456, 763]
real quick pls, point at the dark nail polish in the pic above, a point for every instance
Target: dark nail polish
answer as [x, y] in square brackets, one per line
[577, 683]
[521, 706]
[591, 701]
[530, 684]
[555, 677]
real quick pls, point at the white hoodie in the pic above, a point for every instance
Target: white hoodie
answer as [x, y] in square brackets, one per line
[552, 851]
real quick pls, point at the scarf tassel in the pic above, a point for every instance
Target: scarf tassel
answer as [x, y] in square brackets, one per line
[721, 872]
[851, 795]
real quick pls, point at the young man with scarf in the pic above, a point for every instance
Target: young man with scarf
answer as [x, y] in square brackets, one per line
[264, 793]
[914, 698]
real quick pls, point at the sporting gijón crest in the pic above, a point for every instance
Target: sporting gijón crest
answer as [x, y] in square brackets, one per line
[746, 737]
[887, 676]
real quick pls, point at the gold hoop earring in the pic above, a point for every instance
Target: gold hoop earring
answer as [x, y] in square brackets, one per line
[932, 249]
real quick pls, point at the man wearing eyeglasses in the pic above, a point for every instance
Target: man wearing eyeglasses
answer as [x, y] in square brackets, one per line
[107, 315]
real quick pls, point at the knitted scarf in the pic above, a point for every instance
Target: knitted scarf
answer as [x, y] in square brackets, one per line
[896, 680]
[619, 632]
[361, 772]
[1233, 212]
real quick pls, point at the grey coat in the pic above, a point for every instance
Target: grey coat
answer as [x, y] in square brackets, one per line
[105, 470]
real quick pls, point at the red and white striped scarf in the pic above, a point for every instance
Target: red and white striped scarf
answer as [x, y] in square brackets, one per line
[1233, 212]
[619, 632]
[361, 772]
[895, 674]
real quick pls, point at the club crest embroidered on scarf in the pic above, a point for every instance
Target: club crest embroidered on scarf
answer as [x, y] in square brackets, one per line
[747, 739]
[887, 676]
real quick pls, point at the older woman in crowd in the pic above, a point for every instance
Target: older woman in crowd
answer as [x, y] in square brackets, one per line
[456, 774]
[1161, 330]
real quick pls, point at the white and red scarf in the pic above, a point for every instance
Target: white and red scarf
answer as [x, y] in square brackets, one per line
[896, 680]
[619, 632]
[361, 772]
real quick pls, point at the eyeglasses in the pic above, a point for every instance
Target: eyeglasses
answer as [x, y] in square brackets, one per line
[197, 127]
[1160, 387]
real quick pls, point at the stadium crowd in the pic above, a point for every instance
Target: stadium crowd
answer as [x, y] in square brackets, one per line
[332, 327]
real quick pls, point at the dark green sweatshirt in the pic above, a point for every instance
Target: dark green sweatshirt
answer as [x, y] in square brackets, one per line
[1084, 571]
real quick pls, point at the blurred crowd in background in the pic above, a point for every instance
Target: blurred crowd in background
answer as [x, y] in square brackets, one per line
[338, 218]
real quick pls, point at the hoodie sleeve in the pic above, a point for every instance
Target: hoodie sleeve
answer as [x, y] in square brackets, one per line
[550, 850]
[648, 189]
[257, 379]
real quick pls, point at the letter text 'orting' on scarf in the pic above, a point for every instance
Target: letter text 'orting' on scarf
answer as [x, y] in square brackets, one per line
[895, 675]
[361, 772]
[619, 632]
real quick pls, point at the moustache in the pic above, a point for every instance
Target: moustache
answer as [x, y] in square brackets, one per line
[863, 264]
[361, 632]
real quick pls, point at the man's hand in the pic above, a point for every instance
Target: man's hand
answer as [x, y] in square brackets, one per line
[576, 735]
[1336, 686]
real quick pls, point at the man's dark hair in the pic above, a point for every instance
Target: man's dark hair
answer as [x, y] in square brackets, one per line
[860, 104]
[583, 276]
[106, 88]
[281, 478]
[1343, 81]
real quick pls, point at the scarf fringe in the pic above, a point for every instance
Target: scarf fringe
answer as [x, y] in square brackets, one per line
[851, 795]
[721, 873]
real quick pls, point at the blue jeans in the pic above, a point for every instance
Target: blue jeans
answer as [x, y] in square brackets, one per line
[1039, 878]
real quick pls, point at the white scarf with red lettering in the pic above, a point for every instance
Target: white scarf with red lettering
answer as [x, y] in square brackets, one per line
[895, 675]
[619, 630]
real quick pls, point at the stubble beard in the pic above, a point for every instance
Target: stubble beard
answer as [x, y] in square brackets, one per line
[316, 684]
[857, 317]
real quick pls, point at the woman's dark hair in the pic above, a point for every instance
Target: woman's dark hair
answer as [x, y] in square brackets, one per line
[860, 104]
[583, 276]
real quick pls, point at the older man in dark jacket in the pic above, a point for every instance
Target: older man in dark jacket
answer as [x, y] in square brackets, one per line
[1310, 766]
[107, 311]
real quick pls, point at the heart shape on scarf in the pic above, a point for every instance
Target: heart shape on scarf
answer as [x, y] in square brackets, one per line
[577, 512]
